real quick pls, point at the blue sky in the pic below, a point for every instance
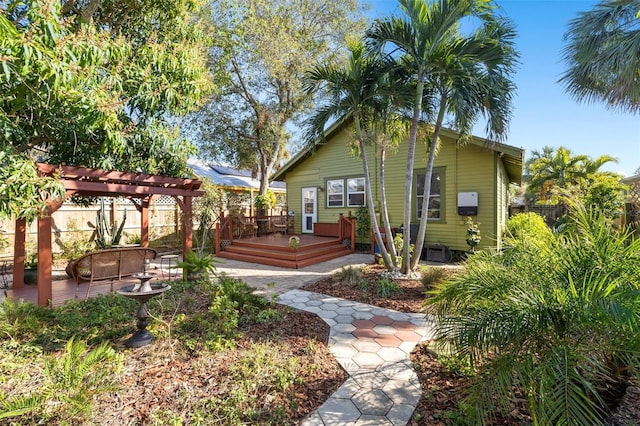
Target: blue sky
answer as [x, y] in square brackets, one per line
[543, 113]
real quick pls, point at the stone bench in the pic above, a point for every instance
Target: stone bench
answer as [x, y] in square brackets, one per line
[110, 264]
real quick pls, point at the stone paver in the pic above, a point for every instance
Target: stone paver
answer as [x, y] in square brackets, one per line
[374, 349]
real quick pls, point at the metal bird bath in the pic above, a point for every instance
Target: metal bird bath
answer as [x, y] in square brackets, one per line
[142, 292]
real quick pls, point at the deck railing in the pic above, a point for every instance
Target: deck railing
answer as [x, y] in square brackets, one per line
[347, 229]
[224, 233]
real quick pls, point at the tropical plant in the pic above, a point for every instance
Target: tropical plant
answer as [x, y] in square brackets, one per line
[607, 194]
[555, 174]
[602, 55]
[69, 386]
[555, 318]
[196, 265]
[461, 75]
[265, 201]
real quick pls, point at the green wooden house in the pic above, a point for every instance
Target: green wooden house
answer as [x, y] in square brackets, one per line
[470, 180]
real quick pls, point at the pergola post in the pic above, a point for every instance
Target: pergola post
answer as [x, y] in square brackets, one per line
[187, 225]
[18, 253]
[144, 221]
[45, 261]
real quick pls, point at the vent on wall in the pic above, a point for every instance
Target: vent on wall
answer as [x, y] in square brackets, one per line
[468, 203]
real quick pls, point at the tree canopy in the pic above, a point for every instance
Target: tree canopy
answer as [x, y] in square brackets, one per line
[94, 83]
[248, 123]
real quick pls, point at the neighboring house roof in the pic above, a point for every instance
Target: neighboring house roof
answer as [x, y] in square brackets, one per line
[230, 178]
[512, 157]
[631, 179]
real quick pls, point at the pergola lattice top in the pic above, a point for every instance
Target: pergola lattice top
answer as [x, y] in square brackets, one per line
[95, 182]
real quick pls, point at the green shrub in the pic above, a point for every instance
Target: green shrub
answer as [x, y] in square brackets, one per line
[557, 320]
[348, 275]
[528, 225]
[241, 294]
[435, 275]
[386, 287]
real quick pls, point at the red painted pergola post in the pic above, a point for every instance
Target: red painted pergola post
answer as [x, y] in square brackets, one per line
[18, 253]
[45, 261]
[144, 221]
[187, 225]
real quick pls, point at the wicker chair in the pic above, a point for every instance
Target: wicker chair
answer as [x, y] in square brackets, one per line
[279, 224]
[246, 226]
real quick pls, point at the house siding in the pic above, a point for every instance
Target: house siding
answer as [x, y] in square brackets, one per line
[466, 168]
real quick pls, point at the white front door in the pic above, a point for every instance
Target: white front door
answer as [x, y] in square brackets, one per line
[309, 209]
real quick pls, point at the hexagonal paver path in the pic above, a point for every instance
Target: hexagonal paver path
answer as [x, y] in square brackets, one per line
[373, 345]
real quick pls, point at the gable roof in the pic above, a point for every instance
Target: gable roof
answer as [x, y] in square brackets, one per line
[512, 157]
[230, 178]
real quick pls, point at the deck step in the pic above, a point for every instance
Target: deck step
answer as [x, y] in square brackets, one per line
[285, 257]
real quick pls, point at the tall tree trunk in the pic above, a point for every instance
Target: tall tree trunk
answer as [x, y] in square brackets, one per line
[422, 230]
[408, 177]
[385, 213]
[369, 195]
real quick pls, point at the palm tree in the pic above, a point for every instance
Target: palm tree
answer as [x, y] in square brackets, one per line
[458, 75]
[603, 57]
[561, 169]
[352, 92]
[554, 170]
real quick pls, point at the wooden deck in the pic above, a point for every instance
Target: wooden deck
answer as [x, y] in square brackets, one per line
[63, 290]
[274, 250]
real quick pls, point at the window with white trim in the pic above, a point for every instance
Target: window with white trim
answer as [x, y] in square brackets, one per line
[335, 193]
[355, 192]
[433, 210]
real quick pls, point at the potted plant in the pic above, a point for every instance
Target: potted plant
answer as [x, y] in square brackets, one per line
[473, 235]
[294, 242]
[31, 269]
[265, 202]
[198, 266]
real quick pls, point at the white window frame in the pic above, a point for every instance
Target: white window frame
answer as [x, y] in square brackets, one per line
[363, 192]
[331, 186]
[436, 175]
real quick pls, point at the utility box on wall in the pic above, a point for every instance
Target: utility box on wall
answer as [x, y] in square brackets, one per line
[468, 203]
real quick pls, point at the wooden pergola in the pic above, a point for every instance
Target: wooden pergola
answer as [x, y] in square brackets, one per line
[81, 181]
